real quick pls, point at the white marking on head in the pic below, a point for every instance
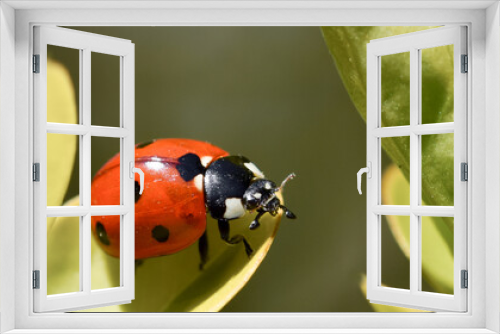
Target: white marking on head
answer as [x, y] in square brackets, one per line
[234, 208]
[257, 172]
[268, 185]
[198, 182]
[257, 195]
[206, 160]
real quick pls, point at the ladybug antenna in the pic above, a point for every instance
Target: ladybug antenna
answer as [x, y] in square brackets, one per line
[288, 178]
[289, 214]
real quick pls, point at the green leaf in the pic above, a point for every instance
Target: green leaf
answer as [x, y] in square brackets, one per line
[348, 48]
[171, 283]
[437, 239]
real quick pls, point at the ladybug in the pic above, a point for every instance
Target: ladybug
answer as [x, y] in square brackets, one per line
[184, 179]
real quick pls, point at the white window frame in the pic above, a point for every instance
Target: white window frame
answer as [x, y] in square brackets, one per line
[413, 44]
[482, 18]
[85, 43]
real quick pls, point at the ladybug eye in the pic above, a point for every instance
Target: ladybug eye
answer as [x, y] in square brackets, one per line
[251, 201]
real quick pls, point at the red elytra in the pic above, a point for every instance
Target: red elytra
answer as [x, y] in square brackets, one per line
[170, 215]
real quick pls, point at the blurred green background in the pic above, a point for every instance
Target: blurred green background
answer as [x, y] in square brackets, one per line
[274, 95]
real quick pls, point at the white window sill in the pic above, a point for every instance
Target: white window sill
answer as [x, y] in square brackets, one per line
[248, 331]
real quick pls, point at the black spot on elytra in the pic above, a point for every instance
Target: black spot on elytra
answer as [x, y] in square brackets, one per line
[137, 190]
[101, 233]
[146, 143]
[189, 166]
[160, 233]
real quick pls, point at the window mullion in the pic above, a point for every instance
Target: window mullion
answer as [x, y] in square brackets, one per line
[85, 255]
[414, 171]
[85, 162]
[86, 177]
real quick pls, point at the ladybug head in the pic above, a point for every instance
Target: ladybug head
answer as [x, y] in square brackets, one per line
[261, 196]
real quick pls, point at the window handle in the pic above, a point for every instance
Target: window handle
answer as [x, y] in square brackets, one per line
[141, 176]
[368, 171]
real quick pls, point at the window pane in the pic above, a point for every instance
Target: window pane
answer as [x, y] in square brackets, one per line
[106, 232]
[395, 266]
[437, 169]
[105, 90]
[395, 95]
[392, 193]
[63, 169]
[63, 255]
[437, 84]
[63, 69]
[437, 254]
[105, 171]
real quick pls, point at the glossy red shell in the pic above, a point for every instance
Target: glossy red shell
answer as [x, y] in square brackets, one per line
[167, 200]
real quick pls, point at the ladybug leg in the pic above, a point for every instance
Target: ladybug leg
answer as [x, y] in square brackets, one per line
[224, 234]
[289, 214]
[203, 249]
[255, 223]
